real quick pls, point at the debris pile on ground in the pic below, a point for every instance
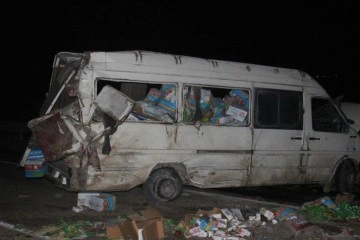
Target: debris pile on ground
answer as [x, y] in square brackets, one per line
[227, 223]
[324, 209]
[224, 223]
[316, 219]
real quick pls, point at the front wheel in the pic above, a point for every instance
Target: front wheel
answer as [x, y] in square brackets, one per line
[345, 180]
[163, 185]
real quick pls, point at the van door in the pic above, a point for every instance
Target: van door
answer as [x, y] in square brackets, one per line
[327, 137]
[216, 136]
[278, 137]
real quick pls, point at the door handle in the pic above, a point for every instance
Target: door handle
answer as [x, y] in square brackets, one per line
[296, 138]
[314, 138]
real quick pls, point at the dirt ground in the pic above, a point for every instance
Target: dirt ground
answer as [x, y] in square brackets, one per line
[35, 206]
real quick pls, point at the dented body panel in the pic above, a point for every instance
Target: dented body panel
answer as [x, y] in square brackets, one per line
[112, 118]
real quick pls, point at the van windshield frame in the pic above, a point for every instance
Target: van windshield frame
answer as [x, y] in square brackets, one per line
[65, 70]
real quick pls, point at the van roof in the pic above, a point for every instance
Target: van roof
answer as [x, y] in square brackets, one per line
[170, 64]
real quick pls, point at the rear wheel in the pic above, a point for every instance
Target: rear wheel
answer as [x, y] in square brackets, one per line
[345, 180]
[163, 185]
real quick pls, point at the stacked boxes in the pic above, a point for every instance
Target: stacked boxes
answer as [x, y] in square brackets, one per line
[158, 105]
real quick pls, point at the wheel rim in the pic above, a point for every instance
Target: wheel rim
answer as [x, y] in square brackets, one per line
[165, 188]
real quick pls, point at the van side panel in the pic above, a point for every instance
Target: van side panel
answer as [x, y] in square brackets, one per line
[277, 157]
[210, 158]
[223, 154]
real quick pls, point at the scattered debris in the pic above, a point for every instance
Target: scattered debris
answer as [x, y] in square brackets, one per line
[103, 202]
[34, 166]
[344, 198]
[324, 209]
[96, 201]
[310, 221]
[147, 224]
[223, 223]
[59, 195]
[24, 231]
[24, 196]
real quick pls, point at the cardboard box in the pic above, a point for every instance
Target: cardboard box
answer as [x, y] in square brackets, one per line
[149, 224]
[146, 225]
[113, 231]
[103, 202]
[84, 198]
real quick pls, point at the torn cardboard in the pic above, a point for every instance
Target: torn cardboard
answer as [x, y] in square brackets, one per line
[145, 225]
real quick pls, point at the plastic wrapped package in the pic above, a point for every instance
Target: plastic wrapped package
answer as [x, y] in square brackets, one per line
[231, 101]
[206, 114]
[153, 96]
[237, 105]
[241, 97]
[169, 107]
[218, 108]
[206, 98]
[137, 112]
[225, 120]
[168, 99]
[189, 110]
[168, 92]
[189, 103]
[237, 113]
[153, 112]
[206, 101]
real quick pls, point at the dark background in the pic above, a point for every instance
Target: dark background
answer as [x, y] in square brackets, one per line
[321, 39]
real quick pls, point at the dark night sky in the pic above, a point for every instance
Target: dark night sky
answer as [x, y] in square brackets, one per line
[319, 38]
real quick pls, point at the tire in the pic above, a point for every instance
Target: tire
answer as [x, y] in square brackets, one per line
[163, 185]
[345, 180]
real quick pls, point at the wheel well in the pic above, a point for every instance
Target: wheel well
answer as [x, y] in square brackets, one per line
[356, 166]
[352, 161]
[330, 185]
[179, 168]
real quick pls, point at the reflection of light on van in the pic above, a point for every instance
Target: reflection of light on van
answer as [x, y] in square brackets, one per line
[112, 121]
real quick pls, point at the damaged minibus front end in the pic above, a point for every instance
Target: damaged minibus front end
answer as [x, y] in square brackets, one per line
[68, 137]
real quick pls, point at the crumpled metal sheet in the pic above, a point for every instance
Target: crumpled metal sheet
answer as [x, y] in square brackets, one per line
[53, 137]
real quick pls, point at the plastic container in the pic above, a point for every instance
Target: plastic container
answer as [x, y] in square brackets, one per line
[34, 165]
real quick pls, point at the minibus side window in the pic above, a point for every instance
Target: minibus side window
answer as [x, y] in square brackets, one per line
[325, 117]
[217, 106]
[280, 109]
[154, 101]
